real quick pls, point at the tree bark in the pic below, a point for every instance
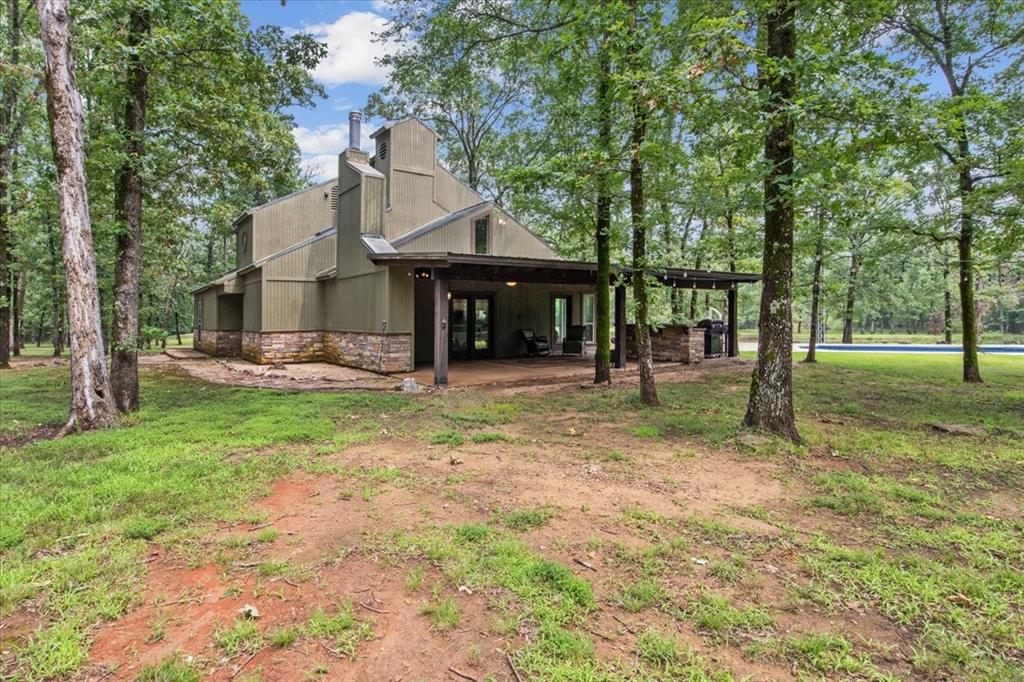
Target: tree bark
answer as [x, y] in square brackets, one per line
[819, 252]
[10, 131]
[677, 294]
[124, 373]
[947, 303]
[697, 262]
[57, 309]
[91, 403]
[602, 237]
[638, 217]
[965, 246]
[851, 295]
[770, 407]
[18, 313]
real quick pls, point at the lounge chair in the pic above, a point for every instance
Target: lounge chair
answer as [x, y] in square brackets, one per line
[535, 345]
[574, 339]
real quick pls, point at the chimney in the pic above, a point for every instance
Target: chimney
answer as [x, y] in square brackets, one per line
[354, 117]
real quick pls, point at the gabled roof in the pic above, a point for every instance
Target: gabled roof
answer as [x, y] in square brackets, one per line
[256, 264]
[392, 124]
[438, 223]
[249, 211]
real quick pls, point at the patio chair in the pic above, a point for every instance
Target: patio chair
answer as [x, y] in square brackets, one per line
[535, 345]
[574, 339]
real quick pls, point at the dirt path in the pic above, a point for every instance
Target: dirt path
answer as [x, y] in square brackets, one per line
[328, 528]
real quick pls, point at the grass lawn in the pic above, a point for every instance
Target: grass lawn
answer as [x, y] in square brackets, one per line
[587, 536]
[31, 350]
[836, 336]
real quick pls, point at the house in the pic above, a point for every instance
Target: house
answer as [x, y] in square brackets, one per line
[397, 263]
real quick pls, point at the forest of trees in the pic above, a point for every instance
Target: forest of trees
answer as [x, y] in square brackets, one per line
[867, 157]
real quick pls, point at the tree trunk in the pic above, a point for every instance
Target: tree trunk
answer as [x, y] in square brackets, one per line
[602, 237]
[968, 312]
[91, 403]
[18, 313]
[124, 372]
[770, 407]
[10, 131]
[947, 303]
[819, 252]
[57, 310]
[696, 265]
[851, 296]
[677, 294]
[648, 390]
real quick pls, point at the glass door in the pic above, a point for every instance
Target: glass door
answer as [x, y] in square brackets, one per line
[470, 334]
[458, 342]
[562, 317]
[588, 316]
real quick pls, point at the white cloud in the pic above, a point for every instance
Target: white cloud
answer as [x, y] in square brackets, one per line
[320, 146]
[329, 139]
[322, 165]
[352, 49]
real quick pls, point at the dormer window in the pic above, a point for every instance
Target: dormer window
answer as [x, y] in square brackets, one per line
[482, 235]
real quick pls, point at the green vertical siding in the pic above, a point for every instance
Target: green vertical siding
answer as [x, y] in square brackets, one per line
[252, 307]
[291, 219]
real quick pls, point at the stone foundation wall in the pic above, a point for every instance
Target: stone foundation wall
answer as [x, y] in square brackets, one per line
[672, 343]
[369, 350]
[269, 347]
[365, 350]
[217, 342]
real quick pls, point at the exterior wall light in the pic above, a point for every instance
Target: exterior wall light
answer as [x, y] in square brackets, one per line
[511, 284]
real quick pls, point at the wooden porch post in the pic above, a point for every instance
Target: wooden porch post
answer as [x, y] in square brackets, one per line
[733, 350]
[620, 326]
[440, 331]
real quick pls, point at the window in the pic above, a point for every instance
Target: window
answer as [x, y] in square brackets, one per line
[481, 235]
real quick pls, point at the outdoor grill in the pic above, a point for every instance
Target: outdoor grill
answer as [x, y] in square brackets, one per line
[714, 330]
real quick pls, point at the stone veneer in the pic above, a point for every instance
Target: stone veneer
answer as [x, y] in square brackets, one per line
[671, 343]
[364, 350]
[217, 342]
[369, 350]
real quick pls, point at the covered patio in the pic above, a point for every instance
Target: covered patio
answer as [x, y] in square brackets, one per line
[448, 270]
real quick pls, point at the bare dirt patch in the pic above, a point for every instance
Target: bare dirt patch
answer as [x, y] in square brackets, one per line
[309, 376]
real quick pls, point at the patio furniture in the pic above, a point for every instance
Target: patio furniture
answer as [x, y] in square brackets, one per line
[535, 345]
[574, 339]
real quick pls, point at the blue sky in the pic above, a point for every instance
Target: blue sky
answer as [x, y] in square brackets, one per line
[348, 72]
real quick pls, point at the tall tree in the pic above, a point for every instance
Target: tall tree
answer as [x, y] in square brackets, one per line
[124, 347]
[770, 406]
[603, 222]
[637, 68]
[11, 121]
[92, 405]
[970, 44]
[819, 255]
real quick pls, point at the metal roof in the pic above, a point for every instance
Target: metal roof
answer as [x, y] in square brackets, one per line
[551, 270]
[437, 223]
[223, 279]
[249, 211]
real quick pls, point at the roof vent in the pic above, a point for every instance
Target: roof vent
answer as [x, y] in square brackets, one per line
[334, 197]
[382, 150]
